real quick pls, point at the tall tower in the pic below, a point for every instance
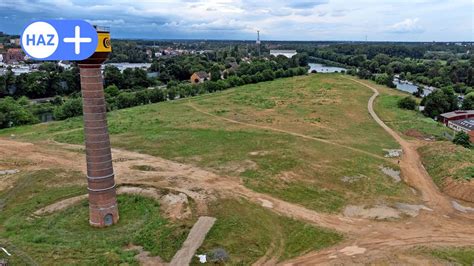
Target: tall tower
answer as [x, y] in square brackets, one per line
[103, 209]
[258, 42]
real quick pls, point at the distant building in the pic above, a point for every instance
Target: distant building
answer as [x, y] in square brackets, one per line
[287, 53]
[123, 66]
[455, 115]
[15, 41]
[149, 53]
[199, 77]
[14, 55]
[465, 125]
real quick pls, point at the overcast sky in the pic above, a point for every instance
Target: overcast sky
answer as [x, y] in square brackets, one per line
[381, 20]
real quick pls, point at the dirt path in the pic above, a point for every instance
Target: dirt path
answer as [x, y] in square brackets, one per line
[410, 164]
[193, 241]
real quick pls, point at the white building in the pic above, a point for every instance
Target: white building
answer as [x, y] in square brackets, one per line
[123, 66]
[287, 53]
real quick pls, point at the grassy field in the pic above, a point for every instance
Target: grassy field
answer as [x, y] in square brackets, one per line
[441, 158]
[66, 238]
[261, 230]
[461, 256]
[246, 231]
[299, 170]
[403, 120]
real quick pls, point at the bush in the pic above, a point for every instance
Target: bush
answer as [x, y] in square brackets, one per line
[385, 79]
[462, 138]
[112, 90]
[70, 108]
[125, 100]
[13, 114]
[407, 103]
[157, 95]
[142, 97]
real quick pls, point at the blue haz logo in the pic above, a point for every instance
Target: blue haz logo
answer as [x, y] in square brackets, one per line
[59, 40]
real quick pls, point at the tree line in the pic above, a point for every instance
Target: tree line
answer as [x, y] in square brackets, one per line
[433, 65]
[132, 87]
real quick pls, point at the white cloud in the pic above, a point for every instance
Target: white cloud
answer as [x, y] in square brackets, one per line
[409, 25]
[239, 19]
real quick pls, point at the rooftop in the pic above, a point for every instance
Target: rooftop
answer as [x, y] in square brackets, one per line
[457, 113]
[282, 51]
[465, 123]
[202, 74]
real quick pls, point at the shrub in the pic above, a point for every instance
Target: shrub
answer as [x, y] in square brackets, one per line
[407, 103]
[13, 114]
[462, 138]
[70, 108]
[112, 90]
[125, 100]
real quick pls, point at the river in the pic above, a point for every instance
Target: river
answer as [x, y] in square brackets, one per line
[407, 86]
[320, 68]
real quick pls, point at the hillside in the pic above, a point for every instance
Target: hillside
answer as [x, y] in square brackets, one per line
[287, 167]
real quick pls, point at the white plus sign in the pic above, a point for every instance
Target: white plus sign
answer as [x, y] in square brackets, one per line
[77, 40]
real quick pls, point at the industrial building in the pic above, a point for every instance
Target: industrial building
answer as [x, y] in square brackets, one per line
[455, 115]
[466, 125]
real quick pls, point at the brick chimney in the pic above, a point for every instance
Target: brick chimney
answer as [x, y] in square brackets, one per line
[103, 208]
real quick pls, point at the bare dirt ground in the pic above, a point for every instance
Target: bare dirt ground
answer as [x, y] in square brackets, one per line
[367, 240]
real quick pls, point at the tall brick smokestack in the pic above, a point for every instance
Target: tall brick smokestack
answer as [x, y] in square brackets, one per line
[103, 208]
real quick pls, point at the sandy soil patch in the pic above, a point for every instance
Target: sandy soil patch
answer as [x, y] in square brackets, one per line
[176, 206]
[461, 208]
[9, 172]
[352, 179]
[384, 212]
[394, 174]
[60, 205]
[393, 153]
[266, 203]
[259, 153]
[463, 190]
[352, 250]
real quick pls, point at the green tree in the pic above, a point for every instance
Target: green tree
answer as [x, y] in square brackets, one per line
[112, 90]
[71, 108]
[13, 113]
[385, 79]
[113, 76]
[215, 73]
[462, 138]
[468, 102]
[407, 103]
[125, 100]
[438, 102]
[3, 86]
